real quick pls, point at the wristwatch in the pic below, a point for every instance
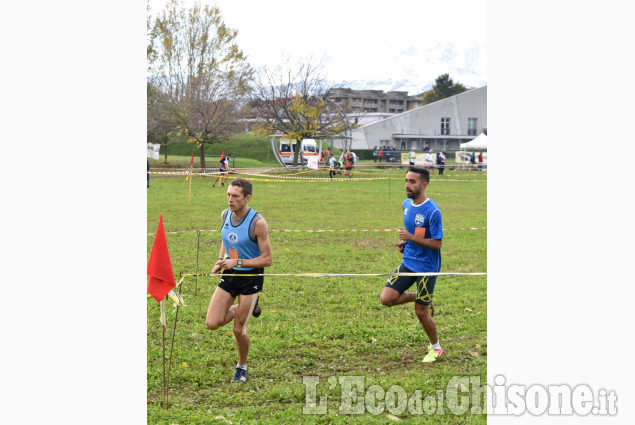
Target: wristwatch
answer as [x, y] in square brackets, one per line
[239, 263]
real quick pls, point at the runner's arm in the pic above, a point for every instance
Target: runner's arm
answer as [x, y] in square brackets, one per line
[218, 266]
[429, 243]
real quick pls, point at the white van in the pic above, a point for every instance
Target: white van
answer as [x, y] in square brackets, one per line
[308, 148]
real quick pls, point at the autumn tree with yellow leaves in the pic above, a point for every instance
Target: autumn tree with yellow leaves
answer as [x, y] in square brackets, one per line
[199, 76]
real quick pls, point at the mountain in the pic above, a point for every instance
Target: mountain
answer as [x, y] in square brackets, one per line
[386, 85]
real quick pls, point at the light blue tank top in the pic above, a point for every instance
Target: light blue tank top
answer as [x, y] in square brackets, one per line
[240, 235]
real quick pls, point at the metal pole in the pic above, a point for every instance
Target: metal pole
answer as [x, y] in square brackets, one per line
[198, 236]
[176, 318]
[165, 399]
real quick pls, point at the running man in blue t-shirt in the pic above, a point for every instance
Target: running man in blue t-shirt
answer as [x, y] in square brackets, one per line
[421, 241]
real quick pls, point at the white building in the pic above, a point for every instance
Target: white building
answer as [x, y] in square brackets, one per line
[443, 125]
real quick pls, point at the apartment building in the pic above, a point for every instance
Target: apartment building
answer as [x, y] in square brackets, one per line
[359, 101]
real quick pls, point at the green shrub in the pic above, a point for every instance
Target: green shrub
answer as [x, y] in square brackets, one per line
[243, 145]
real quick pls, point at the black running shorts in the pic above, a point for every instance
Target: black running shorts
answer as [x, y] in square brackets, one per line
[241, 285]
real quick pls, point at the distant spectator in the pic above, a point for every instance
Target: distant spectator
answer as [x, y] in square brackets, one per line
[380, 154]
[426, 149]
[148, 161]
[348, 164]
[412, 156]
[375, 154]
[333, 166]
[480, 160]
[441, 162]
[473, 158]
[430, 162]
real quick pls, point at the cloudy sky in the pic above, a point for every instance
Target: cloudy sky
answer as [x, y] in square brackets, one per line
[401, 45]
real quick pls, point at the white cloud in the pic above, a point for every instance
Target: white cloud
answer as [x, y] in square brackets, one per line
[410, 40]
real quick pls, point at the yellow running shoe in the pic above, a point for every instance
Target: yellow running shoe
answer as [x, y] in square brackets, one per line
[433, 355]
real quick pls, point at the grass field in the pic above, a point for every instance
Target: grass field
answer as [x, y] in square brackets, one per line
[332, 328]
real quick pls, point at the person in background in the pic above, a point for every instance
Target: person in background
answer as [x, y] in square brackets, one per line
[332, 166]
[223, 171]
[380, 154]
[348, 164]
[148, 172]
[430, 161]
[375, 154]
[412, 156]
[441, 162]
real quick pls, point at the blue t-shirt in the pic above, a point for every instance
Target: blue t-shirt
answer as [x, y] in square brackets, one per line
[426, 216]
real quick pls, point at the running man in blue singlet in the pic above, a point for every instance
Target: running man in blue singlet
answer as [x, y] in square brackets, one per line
[245, 249]
[421, 241]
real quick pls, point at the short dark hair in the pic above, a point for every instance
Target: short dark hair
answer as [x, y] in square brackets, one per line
[244, 184]
[425, 174]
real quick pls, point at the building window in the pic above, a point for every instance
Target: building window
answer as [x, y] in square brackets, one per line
[471, 126]
[445, 126]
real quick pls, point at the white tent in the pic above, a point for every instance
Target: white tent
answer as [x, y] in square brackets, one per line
[479, 143]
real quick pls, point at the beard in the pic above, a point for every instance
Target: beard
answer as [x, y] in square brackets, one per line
[413, 193]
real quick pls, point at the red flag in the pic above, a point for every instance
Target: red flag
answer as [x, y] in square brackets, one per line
[161, 279]
[222, 154]
[192, 160]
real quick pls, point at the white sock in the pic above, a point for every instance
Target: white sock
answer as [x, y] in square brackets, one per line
[241, 366]
[436, 346]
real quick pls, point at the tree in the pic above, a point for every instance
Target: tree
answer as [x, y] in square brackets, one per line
[444, 87]
[199, 73]
[159, 123]
[292, 100]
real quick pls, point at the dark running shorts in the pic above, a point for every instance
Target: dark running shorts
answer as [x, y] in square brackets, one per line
[425, 284]
[238, 285]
